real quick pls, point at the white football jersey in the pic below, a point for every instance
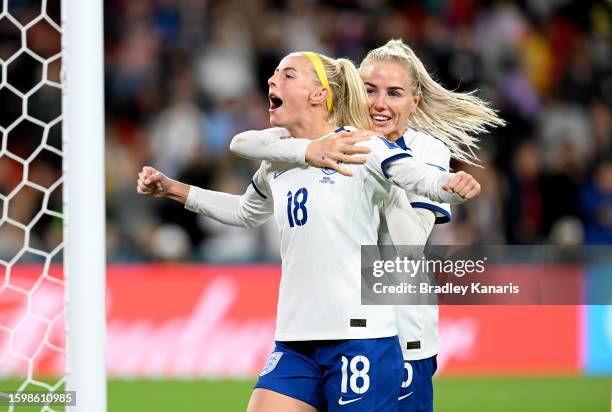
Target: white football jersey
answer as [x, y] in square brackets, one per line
[324, 218]
[320, 296]
[418, 325]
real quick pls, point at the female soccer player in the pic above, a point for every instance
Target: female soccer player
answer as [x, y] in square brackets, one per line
[331, 352]
[408, 107]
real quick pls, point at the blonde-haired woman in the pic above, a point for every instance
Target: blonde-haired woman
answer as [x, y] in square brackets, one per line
[331, 353]
[411, 109]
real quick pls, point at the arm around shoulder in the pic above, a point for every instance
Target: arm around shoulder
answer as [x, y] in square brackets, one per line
[273, 144]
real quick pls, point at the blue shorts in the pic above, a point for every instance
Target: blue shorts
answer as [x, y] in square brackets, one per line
[416, 394]
[352, 375]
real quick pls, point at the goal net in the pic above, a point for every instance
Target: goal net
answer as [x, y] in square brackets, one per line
[39, 272]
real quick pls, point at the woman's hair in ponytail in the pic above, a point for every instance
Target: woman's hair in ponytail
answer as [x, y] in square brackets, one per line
[454, 118]
[349, 97]
[352, 109]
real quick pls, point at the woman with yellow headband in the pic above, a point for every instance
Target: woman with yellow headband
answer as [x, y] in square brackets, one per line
[409, 108]
[331, 353]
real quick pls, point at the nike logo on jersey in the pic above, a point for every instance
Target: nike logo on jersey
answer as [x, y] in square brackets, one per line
[342, 402]
[404, 396]
[277, 174]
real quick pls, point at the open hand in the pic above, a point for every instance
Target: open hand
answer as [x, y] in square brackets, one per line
[338, 149]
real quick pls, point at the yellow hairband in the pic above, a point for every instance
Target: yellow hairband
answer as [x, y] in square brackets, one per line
[320, 70]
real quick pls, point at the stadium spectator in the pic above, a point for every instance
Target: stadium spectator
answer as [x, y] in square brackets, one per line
[546, 66]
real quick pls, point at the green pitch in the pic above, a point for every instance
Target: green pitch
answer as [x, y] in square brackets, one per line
[494, 394]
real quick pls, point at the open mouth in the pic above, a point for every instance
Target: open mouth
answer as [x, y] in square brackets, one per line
[275, 101]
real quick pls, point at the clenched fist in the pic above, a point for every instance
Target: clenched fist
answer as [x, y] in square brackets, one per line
[152, 182]
[463, 184]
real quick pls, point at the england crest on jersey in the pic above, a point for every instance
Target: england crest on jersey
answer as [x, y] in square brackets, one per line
[271, 363]
[328, 171]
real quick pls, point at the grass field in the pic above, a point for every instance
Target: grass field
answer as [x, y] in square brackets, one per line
[494, 394]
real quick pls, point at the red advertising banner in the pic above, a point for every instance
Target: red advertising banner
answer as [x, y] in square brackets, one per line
[218, 321]
[182, 321]
[510, 339]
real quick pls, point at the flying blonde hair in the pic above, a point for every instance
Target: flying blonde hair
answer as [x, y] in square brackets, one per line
[454, 118]
[350, 100]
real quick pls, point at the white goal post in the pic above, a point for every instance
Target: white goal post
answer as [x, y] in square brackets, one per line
[84, 223]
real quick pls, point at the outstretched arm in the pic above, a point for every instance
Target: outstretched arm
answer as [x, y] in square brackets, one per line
[414, 176]
[277, 145]
[249, 210]
[400, 168]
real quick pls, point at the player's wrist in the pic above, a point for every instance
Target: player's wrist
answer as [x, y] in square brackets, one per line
[176, 190]
[311, 152]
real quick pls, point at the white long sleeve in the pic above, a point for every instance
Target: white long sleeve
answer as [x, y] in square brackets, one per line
[274, 144]
[435, 154]
[388, 160]
[249, 210]
[419, 178]
[407, 225]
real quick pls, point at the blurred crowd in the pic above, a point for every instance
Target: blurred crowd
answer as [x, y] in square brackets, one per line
[184, 76]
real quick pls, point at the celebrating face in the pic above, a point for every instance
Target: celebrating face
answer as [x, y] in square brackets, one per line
[292, 91]
[391, 98]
